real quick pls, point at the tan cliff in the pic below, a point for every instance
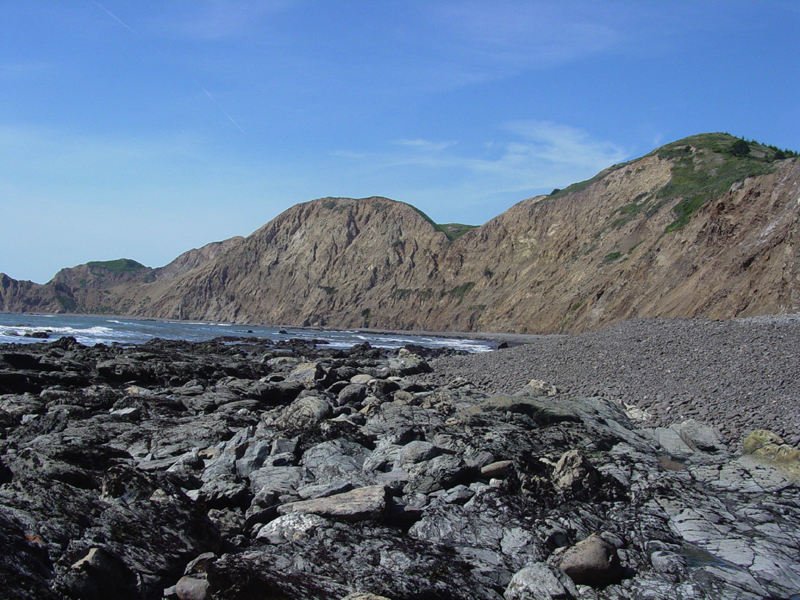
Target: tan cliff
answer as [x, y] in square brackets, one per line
[697, 228]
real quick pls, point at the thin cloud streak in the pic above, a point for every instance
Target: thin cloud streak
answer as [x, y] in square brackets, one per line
[425, 144]
[207, 93]
[224, 112]
[117, 19]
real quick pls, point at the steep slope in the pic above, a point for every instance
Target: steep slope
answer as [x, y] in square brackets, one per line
[196, 257]
[332, 261]
[100, 286]
[612, 250]
[706, 226]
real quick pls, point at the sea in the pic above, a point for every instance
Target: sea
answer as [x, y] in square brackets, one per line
[90, 330]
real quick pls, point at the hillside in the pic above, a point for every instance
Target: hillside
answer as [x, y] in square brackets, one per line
[706, 226]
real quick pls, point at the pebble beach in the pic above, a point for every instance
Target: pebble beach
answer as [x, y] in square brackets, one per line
[736, 375]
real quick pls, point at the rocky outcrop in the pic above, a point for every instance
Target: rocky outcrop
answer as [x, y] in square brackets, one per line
[210, 470]
[690, 230]
[196, 257]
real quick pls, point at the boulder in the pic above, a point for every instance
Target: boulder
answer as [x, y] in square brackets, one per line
[496, 470]
[592, 561]
[309, 374]
[407, 363]
[541, 581]
[541, 410]
[190, 588]
[537, 387]
[291, 527]
[303, 413]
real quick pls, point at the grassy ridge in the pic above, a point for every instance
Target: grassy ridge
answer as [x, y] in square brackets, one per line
[706, 166]
[118, 266]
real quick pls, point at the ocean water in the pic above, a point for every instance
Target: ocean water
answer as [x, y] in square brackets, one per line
[109, 330]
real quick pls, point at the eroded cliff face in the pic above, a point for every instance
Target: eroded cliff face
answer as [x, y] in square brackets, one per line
[631, 242]
[587, 260]
[338, 262]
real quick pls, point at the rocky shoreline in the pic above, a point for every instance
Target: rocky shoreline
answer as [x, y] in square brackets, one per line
[238, 469]
[737, 375]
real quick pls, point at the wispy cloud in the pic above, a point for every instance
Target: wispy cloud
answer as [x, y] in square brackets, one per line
[425, 144]
[532, 156]
[213, 20]
[527, 34]
[561, 144]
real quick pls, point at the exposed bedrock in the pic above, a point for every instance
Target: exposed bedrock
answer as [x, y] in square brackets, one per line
[232, 470]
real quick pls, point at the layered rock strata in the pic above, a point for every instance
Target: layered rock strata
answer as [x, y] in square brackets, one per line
[690, 230]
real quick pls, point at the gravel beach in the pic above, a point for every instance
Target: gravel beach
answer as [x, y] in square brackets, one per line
[737, 375]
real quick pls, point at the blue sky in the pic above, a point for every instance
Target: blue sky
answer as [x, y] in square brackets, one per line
[144, 128]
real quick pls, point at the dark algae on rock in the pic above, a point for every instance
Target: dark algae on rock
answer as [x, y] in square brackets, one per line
[238, 469]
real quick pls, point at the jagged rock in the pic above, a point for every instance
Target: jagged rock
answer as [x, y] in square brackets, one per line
[435, 492]
[664, 561]
[96, 574]
[290, 527]
[438, 473]
[356, 505]
[573, 472]
[278, 480]
[303, 413]
[540, 581]
[336, 461]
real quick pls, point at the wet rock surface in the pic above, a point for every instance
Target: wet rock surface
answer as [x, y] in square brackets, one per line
[237, 470]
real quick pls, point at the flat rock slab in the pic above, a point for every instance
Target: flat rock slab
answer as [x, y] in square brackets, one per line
[356, 505]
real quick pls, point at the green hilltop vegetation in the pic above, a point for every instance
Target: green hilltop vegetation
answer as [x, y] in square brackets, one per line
[707, 165]
[453, 231]
[704, 167]
[118, 266]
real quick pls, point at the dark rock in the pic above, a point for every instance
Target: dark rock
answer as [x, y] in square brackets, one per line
[94, 576]
[592, 561]
[409, 489]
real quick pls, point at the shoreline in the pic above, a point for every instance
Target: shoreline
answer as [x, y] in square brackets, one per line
[512, 339]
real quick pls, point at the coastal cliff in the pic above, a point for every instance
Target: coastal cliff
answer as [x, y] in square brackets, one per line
[701, 227]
